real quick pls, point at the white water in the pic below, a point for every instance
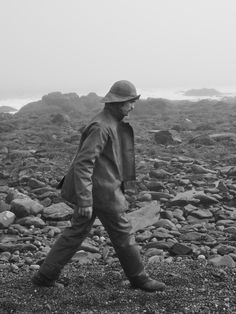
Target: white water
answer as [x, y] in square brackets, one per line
[172, 94]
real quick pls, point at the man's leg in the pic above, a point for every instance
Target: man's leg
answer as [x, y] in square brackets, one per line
[64, 249]
[119, 229]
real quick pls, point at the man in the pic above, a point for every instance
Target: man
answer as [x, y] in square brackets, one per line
[95, 184]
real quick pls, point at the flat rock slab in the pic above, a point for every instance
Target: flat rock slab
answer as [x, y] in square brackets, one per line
[59, 211]
[145, 216]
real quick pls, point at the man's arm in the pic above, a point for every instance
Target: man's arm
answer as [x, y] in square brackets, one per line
[93, 144]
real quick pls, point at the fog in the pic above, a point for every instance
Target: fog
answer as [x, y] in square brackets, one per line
[86, 45]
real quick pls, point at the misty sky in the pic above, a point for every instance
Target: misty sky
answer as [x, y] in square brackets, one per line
[86, 45]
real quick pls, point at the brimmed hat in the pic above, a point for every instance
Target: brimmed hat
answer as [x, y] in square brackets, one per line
[121, 91]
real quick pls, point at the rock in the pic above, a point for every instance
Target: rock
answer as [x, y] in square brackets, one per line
[14, 194]
[162, 245]
[59, 211]
[156, 259]
[223, 249]
[12, 247]
[5, 256]
[89, 246]
[153, 251]
[4, 206]
[202, 213]
[199, 169]
[165, 223]
[160, 195]
[159, 174]
[31, 221]
[34, 183]
[83, 257]
[6, 219]
[146, 235]
[145, 216]
[192, 197]
[165, 137]
[180, 249]
[24, 207]
[225, 260]
[155, 186]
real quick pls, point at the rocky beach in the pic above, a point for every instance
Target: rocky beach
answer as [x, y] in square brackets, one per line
[183, 209]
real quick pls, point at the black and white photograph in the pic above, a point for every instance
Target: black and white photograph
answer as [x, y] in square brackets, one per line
[117, 156]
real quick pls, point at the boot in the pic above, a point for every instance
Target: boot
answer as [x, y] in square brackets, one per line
[144, 282]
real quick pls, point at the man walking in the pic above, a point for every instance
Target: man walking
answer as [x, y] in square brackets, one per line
[95, 184]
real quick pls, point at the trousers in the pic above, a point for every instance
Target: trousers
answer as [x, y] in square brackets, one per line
[118, 228]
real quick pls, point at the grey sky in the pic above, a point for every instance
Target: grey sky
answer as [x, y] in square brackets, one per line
[73, 45]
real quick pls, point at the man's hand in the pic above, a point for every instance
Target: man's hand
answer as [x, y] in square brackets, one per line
[85, 211]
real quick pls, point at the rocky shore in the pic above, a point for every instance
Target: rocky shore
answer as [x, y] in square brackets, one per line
[183, 210]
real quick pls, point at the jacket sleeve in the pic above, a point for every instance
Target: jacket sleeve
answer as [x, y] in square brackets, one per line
[93, 142]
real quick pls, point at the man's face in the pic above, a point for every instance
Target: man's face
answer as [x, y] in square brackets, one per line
[127, 107]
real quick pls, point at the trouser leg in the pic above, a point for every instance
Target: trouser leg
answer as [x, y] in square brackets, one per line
[66, 246]
[118, 227]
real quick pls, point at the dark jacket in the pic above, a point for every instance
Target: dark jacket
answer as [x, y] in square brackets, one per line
[103, 163]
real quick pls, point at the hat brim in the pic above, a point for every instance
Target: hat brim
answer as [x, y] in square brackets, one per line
[110, 98]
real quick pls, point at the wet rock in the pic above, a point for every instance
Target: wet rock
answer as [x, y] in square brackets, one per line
[24, 207]
[59, 211]
[6, 219]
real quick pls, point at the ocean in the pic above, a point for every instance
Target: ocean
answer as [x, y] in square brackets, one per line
[167, 93]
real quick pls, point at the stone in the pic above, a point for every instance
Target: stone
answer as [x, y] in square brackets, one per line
[165, 137]
[153, 251]
[223, 249]
[157, 196]
[141, 237]
[25, 207]
[225, 260]
[162, 245]
[165, 223]
[6, 219]
[14, 194]
[59, 211]
[34, 183]
[145, 216]
[83, 257]
[31, 221]
[192, 236]
[156, 259]
[155, 186]
[180, 249]
[202, 213]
